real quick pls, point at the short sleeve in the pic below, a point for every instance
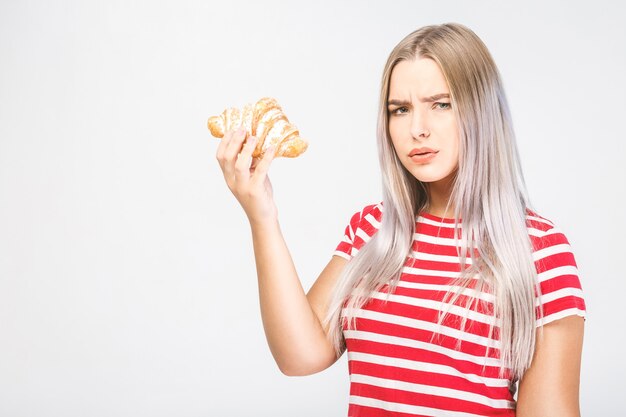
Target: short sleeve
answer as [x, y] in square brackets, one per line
[362, 226]
[557, 272]
[346, 248]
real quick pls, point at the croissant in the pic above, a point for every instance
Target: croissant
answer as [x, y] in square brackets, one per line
[266, 121]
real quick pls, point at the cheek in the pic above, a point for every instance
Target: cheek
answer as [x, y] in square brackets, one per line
[453, 144]
[454, 139]
[455, 155]
[393, 127]
[393, 134]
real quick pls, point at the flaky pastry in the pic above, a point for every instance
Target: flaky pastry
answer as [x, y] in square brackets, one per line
[266, 121]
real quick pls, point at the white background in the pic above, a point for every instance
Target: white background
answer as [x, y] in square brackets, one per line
[127, 278]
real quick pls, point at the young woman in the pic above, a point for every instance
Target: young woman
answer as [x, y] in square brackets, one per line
[451, 292]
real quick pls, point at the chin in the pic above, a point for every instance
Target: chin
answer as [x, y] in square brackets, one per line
[429, 178]
[433, 177]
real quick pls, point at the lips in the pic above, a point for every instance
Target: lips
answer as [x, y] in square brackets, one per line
[421, 151]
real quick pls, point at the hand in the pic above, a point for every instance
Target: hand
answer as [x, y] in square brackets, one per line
[247, 177]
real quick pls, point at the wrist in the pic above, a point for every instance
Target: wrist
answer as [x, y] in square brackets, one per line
[263, 224]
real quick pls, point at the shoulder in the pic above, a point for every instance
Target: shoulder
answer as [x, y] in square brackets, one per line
[537, 224]
[557, 271]
[543, 232]
[367, 218]
[362, 226]
[550, 246]
[364, 223]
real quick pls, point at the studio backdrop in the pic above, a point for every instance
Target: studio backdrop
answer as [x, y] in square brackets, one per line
[127, 276]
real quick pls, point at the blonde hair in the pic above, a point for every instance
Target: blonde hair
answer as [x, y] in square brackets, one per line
[488, 193]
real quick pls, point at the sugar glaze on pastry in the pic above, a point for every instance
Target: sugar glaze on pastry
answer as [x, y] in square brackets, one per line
[266, 121]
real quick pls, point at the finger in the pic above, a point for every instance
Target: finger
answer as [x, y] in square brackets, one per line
[234, 144]
[255, 162]
[232, 150]
[244, 159]
[221, 148]
[261, 168]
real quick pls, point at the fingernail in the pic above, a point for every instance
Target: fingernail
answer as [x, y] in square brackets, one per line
[241, 130]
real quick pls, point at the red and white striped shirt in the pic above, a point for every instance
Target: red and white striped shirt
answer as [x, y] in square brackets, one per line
[397, 368]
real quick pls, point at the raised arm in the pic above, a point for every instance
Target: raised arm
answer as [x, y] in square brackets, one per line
[550, 387]
[292, 322]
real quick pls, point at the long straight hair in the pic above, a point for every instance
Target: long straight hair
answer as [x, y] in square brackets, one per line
[488, 193]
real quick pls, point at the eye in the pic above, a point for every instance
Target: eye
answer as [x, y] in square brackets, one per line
[442, 106]
[399, 110]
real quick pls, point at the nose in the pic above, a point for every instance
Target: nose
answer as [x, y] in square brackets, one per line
[419, 126]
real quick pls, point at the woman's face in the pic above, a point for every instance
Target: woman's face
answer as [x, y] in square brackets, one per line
[422, 125]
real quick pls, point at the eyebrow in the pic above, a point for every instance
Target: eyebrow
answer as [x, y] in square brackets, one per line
[423, 100]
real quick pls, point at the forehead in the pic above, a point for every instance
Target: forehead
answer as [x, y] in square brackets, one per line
[419, 77]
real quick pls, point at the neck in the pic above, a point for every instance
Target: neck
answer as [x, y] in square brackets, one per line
[439, 198]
